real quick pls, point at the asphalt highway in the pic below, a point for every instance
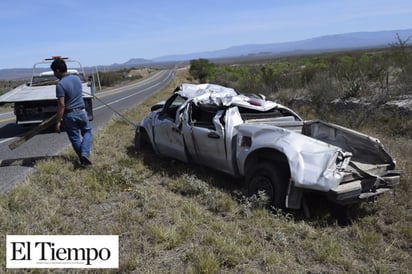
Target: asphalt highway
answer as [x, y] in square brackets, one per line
[16, 164]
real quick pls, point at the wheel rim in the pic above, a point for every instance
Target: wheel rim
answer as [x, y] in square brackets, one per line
[263, 183]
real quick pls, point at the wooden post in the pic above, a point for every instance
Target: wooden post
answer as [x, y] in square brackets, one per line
[31, 133]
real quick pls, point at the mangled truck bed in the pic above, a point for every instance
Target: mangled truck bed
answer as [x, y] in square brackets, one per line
[267, 144]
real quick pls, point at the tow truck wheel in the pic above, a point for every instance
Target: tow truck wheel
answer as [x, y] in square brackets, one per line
[266, 177]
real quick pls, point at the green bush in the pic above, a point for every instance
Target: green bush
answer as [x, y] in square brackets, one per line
[374, 74]
[201, 69]
[113, 78]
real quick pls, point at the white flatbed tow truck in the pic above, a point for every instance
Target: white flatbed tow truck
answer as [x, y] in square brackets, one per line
[35, 101]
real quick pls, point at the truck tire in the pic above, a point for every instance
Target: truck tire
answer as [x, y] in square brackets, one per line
[141, 142]
[265, 176]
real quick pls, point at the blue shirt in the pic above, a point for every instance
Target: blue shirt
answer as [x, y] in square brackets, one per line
[70, 88]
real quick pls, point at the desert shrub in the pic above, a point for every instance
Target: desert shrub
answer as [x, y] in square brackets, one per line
[201, 69]
[7, 85]
[228, 75]
[374, 76]
[249, 80]
[401, 57]
[308, 74]
[322, 90]
[113, 78]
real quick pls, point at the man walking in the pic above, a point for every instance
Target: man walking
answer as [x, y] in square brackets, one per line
[71, 111]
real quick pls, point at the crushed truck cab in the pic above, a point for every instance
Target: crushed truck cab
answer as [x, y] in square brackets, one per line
[35, 101]
[267, 144]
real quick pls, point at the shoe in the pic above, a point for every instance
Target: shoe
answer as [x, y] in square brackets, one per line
[85, 161]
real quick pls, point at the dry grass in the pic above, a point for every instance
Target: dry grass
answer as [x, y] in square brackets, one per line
[176, 218]
[141, 72]
[6, 108]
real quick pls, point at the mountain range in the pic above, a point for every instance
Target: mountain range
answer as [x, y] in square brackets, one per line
[345, 41]
[355, 40]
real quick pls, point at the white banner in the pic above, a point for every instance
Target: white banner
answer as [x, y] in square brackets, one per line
[62, 251]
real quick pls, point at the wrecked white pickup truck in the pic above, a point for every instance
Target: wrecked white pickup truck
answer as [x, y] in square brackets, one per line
[267, 144]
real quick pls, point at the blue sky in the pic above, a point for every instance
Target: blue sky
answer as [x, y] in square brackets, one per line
[99, 32]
